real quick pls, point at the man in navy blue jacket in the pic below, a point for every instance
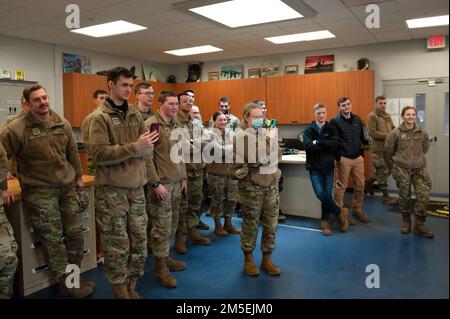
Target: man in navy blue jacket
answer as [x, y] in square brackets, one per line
[351, 136]
[322, 149]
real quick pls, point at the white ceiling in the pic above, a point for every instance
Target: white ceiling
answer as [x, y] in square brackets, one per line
[169, 29]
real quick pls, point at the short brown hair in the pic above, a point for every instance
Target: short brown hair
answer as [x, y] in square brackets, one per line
[165, 94]
[115, 73]
[380, 98]
[408, 107]
[30, 89]
[141, 86]
[342, 100]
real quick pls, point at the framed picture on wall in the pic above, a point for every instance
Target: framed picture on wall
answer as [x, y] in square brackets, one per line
[232, 72]
[213, 76]
[269, 71]
[254, 73]
[319, 63]
[73, 63]
[291, 69]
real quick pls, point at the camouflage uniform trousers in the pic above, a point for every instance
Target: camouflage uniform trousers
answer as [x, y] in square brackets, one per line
[123, 222]
[224, 192]
[421, 181]
[147, 189]
[55, 216]
[165, 214]
[91, 166]
[191, 204]
[8, 257]
[382, 171]
[258, 201]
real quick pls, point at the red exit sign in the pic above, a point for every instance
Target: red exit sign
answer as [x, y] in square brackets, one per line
[436, 42]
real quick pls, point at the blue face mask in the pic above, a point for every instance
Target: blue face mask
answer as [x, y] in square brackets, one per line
[257, 123]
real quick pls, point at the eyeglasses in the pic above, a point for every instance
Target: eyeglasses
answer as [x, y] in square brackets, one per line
[148, 93]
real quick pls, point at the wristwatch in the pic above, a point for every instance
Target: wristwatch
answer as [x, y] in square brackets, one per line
[155, 185]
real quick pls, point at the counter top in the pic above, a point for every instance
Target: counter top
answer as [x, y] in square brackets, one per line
[14, 186]
[299, 158]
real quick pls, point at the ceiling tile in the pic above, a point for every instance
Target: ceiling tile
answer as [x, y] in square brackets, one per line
[324, 5]
[331, 15]
[393, 36]
[385, 7]
[342, 24]
[425, 12]
[406, 5]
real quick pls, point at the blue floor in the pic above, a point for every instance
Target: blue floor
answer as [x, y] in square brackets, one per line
[313, 266]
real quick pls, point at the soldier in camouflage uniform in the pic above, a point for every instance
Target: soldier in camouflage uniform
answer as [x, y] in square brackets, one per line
[406, 147]
[119, 141]
[167, 180]
[224, 107]
[223, 188]
[191, 202]
[8, 245]
[258, 190]
[49, 169]
[379, 124]
[99, 96]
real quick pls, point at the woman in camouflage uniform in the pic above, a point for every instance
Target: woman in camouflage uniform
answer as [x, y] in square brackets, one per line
[406, 147]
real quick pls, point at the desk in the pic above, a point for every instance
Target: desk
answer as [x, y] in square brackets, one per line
[297, 197]
[32, 272]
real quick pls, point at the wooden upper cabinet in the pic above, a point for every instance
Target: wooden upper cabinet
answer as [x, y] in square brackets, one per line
[361, 92]
[240, 93]
[285, 98]
[325, 88]
[78, 89]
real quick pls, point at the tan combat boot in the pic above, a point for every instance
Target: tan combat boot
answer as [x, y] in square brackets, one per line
[218, 229]
[268, 266]
[249, 265]
[175, 265]
[360, 216]
[388, 200]
[120, 291]
[229, 228]
[343, 219]
[163, 275]
[201, 225]
[196, 238]
[406, 228]
[82, 292]
[180, 245]
[326, 230]
[132, 293]
[419, 228]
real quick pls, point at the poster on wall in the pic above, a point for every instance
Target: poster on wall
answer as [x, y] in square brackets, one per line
[231, 72]
[319, 63]
[73, 63]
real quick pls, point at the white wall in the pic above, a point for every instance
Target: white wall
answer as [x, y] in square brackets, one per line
[391, 61]
[42, 62]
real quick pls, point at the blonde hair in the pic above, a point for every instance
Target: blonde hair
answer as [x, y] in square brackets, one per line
[249, 107]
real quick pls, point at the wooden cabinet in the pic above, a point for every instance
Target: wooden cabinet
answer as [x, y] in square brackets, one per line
[285, 97]
[78, 89]
[361, 92]
[289, 98]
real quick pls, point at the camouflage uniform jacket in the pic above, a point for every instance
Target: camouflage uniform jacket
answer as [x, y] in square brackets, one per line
[379, 124]
[262, 172]
[85, 126]
[46, 153]
[407, 148]
[160, 167]
[145, 115]
[3, 171]
[232, 122]
[189, 125]
[112, 135]
[224, 143]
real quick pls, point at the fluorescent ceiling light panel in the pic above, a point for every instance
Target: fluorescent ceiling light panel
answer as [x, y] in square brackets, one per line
[427, 22]
[109, 29]
[239, 13]
[308, 36]
[194, 50]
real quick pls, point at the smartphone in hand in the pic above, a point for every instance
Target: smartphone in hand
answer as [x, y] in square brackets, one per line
[154, 127]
